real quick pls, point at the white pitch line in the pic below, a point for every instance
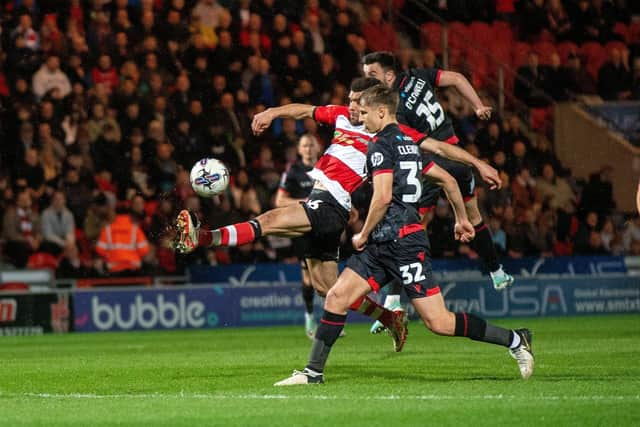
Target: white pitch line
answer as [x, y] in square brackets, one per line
[207, 396]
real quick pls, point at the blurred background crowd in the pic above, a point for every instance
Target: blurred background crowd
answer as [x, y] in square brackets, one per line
[106, 104]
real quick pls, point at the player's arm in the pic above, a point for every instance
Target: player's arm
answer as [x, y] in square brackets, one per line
[380, 201]
[453, 152]
[463, 229]
[460, 82]
[262, 121]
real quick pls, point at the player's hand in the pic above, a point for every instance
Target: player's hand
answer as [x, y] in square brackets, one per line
[484, 112]
[261, 122]
[489, 175]
[359, 241]
[464, 231]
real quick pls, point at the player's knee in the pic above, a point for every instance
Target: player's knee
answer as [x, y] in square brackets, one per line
[439, 325]
[336, 301]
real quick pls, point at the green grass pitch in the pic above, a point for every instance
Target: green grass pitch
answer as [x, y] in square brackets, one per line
[587, 373]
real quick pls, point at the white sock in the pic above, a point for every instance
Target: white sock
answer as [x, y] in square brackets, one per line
[308, 316]
[516, 340]
[391, 300]
[498, 271]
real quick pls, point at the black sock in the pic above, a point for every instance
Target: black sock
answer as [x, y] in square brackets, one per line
[483, 244]
[257, 228]
[476, 328]
[329, 329]
[307, 295]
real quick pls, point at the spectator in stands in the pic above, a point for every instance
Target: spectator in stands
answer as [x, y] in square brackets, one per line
[30, 174]
[557, 84]
[558, 20]
[21, 230]
[244, 195]
[523, 188]
[579, 79]
[208, 12]
[534, 19]
[105, 72]
[597, 195]
[123, 245]
[556, 193]
[530, 81]
[58, 226]
[24, 35]
[440, 231]
[50, 77]
[614, 77]
[631, 236]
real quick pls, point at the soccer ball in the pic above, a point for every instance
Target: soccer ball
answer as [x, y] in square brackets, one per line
[209, 177]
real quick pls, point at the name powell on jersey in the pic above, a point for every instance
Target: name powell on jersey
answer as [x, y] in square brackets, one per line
[377, 159]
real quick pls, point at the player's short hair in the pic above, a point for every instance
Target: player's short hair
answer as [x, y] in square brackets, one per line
[363, 83]
[381, 95]
[386, 60]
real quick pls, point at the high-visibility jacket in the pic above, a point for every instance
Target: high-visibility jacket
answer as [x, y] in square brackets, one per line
[122, 244]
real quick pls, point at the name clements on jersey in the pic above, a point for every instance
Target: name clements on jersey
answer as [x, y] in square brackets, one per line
[407, 149]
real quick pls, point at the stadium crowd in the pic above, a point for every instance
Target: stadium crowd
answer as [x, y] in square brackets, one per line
[106, 104]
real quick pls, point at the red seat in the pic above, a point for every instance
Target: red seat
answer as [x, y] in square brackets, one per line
[502, 32]
[42, 260]
[615, 44]
[432, 36]
[565, 49]
[458, 35]
[520, 52]
[634, 32]
[544, 51]
[595, 55]
[622, 29]
[481, 33]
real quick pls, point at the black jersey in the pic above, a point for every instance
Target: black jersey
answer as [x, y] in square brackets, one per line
[394, 152]
[296, 182]
[419, 107]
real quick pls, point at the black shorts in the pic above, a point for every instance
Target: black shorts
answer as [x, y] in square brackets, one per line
[463, 175]
[445, 133]
[328, 221]
[406, 260]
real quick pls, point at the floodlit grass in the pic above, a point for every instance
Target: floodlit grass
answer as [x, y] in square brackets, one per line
[587, 373]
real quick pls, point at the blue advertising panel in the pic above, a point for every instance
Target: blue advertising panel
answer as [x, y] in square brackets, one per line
[274, 274]
[197, 307]
[194, 307]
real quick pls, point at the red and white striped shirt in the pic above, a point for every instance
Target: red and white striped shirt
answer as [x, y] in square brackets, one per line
[342, 167]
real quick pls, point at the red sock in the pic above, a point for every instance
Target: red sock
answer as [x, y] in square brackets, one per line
[204, 238]
[369, 307]
[237, 234]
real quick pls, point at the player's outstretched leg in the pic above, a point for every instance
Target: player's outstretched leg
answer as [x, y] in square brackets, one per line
[391, 302]
[483, 245]
[441, 321]
[288, 221]
[308, 294]
[349, 288]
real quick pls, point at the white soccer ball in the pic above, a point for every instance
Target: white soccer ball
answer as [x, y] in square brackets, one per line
[209, 177]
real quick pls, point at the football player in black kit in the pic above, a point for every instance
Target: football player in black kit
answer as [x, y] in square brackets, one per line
[419, 109]
[295, 186]
[394, 246]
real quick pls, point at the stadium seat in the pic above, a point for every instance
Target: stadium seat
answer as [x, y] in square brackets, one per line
[623, 30]
[540, 118]
[595, 55]
[432, 36]
[634, 33]
[564, 49]
[544, 51]
[520, 52]
[40, 260]
[482, 34]
[458, 35]
[502, 32]
[615, 44]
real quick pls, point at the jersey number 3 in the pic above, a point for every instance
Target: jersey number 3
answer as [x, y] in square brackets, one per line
[413, 180]
[431, 109]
